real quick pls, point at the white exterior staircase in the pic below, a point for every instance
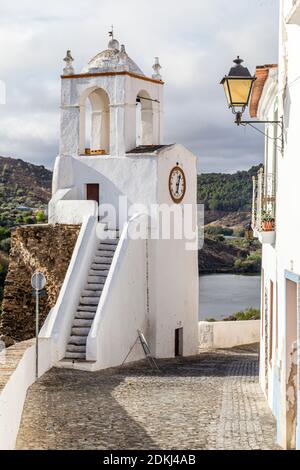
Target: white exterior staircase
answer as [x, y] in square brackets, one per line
[90, 298]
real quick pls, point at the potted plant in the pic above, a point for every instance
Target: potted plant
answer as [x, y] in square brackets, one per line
[267, 221]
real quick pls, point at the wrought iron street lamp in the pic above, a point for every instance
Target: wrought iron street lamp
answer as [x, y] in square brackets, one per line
[238, 86]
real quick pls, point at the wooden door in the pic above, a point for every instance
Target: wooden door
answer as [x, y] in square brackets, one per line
[92, 192]
[178, 342]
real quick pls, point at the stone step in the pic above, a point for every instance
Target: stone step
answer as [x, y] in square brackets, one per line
[101, 279]
[82, 322]
[77, 340]
[106, 253]
[97, 286]
[97, 279]
[89, 300]
[109, 241]
[99, 268]
[109, 249]
[84, 315]
[92, 292]
[99, 272]
[87, 308]
[103, 260]
[76, 348]
[80, 331]
[75, 355]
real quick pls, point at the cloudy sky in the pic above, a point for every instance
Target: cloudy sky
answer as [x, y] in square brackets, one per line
[196, 40]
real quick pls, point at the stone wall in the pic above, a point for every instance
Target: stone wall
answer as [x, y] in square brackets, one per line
[47, 248]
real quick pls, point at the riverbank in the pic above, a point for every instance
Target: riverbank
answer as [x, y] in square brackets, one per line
[231, 256]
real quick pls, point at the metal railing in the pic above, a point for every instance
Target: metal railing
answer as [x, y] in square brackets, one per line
[264, 202]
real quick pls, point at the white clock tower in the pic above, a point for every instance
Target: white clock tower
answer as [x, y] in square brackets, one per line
[112, 153]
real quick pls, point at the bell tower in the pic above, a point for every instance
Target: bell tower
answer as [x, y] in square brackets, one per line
[110, 106]
[114, 172]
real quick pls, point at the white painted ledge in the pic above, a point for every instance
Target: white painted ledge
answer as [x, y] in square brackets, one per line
[265, 238]
[228, 334]
[74, 212]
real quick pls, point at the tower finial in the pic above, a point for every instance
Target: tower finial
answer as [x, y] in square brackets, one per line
[69, 69]
[113, 43]
[157, 67]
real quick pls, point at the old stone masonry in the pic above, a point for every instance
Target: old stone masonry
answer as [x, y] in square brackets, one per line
[211, 401]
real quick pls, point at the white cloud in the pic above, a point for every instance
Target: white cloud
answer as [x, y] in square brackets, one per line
[195, 40]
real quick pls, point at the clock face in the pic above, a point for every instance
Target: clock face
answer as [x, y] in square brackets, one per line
[177, 184]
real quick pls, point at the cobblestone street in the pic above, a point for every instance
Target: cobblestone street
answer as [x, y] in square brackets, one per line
[212, 401]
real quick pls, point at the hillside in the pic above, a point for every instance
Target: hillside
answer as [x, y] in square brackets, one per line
[227, 199]
[224, 194]
[25, 190]
[229, 256]
[22, 184]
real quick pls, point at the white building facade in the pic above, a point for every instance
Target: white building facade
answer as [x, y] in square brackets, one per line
[114, 176]
[276, 199]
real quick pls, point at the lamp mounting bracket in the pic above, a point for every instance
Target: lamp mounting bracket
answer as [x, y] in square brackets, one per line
[240, 122]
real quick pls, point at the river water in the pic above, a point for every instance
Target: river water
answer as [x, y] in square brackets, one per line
[220, 295]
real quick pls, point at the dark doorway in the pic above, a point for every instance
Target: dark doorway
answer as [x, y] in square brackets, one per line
[92, 192]
[178, 342]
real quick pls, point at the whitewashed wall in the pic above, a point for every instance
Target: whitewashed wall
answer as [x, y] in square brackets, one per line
[228, 334]
[282, 260]
[174, 278]
[13, 396]
[133, 177]
[73, 212]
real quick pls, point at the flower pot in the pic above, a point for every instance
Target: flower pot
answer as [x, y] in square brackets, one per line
[268, 226]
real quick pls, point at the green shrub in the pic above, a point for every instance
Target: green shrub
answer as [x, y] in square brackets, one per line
[239, 232]
[4, 233]
[5, 245]
[248, 314]
[40, 216]
[218, 230]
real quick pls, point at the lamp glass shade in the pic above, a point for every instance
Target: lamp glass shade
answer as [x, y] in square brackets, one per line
[238, 85]
[238, 91]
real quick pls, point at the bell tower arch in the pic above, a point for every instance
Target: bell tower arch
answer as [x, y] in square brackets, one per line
[117, 91]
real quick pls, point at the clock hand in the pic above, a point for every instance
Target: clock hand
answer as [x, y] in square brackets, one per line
[178, 183]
